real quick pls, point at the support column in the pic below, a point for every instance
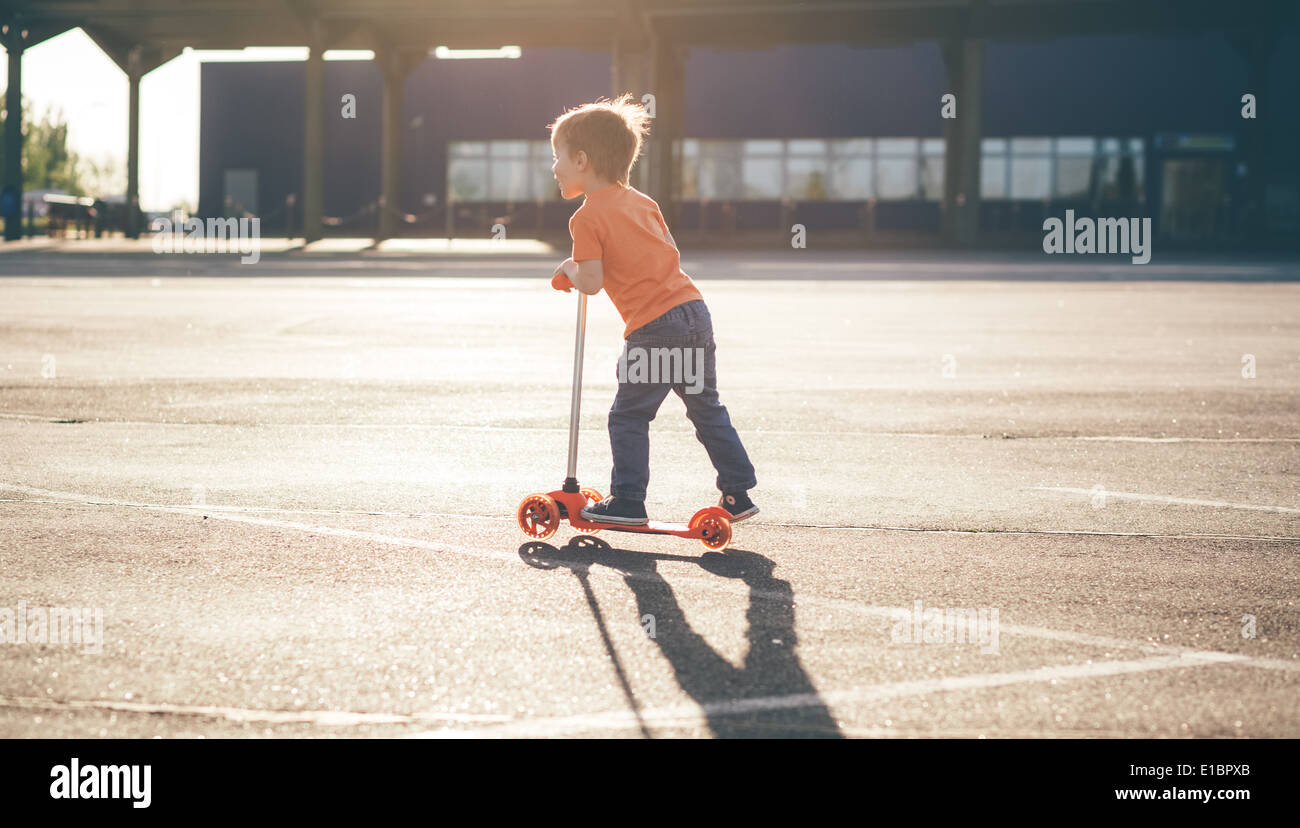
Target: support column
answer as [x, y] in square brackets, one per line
[627, 68]
[964, 68]
[395, 64]
[313, 151]
[1256, 49]
[627, 75]
[391, 155]
[134, 71]
[668, 85]
[13, 172]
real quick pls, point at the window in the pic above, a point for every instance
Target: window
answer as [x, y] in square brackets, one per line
[1075, 162]
[1031, 146]
[544, 187]
[1031, 168]
[508, 178]
[808, 170]
[850, 169]
[993, 177]
[690, 169]
[993, 168]
[1031, 178]
[762, 169]
[467, 170]
[1122, 169]
[711, 170]
[896, 167]
[932, 163]
[762, 178]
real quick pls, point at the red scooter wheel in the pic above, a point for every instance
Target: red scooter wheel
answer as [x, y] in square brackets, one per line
[538, 516]
[715, 530]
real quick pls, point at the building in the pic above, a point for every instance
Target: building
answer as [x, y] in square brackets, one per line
[835, 137]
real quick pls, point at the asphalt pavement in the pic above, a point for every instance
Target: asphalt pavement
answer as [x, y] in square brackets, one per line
[289, 491]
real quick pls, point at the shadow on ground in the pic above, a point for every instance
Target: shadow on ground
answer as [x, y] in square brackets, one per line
[771, 669]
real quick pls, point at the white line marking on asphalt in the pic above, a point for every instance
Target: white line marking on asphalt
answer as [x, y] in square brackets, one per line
[919, 435]
[209, 508]
[1008, 267]
[373, 537]
[1127, 439]
[936, 530]
[329, 718]
[695, 715]
[1086, 639]
[1183, 501]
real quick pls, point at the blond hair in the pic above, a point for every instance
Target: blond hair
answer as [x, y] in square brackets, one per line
[610, 132]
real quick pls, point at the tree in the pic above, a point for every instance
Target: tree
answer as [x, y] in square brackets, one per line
[103, 175]
[48, 164]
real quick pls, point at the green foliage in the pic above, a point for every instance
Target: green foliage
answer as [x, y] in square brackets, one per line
[48, 164]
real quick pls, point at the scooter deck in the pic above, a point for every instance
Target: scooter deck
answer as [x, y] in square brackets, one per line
[572, 508]
[654, 527]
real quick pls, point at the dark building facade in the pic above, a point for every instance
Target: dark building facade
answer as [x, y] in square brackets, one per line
[835, 137]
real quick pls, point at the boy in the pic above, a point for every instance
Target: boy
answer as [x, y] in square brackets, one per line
[621, 243]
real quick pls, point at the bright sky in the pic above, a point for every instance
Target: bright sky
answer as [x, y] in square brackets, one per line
[70, 72]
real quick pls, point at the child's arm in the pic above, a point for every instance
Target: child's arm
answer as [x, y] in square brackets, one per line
[588, 276]
[586, 273]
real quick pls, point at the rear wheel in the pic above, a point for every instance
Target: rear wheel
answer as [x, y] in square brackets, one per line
[593, 496]
[714, 529]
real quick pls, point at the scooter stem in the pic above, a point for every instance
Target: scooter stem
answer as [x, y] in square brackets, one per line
[571, 480]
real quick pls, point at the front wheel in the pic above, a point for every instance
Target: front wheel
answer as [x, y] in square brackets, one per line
[538, 516]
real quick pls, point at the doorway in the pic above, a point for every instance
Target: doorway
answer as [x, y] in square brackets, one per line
[1193, 204]
[240, 193]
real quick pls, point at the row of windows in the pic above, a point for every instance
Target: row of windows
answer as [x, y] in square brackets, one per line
[842, 169]
[1062, 168]
[851, 169]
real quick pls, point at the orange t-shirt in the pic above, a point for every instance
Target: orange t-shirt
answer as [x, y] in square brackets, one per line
[623, 228]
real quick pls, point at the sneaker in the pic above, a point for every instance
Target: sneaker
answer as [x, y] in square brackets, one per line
[618, 510]
[739, 506]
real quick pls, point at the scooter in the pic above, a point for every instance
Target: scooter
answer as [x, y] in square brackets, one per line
[540, 514]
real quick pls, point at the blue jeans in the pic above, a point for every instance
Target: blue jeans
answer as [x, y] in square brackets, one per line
[686, 333]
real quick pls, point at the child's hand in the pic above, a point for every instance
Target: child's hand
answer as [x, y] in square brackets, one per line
[561, 281]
